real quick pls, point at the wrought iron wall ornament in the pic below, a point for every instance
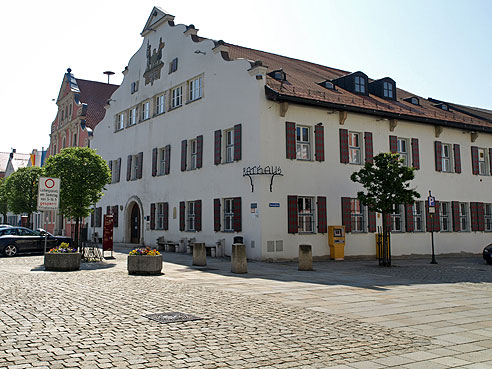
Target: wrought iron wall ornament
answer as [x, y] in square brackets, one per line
[258, 170]
[154, 63]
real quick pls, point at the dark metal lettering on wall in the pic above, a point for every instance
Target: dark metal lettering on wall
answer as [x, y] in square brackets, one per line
[258, 170]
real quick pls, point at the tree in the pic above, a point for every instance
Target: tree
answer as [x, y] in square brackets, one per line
[387, 185]
[21, 189]
[83, 176]
[3, 199]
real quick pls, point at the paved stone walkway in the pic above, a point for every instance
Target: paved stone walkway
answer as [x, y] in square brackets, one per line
[349, 314]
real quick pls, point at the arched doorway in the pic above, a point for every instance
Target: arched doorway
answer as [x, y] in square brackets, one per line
[135, 224]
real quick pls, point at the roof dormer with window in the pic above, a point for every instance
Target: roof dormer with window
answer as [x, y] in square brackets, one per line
[384, 88]
[412, 100]
[279, 75]
[354, 82]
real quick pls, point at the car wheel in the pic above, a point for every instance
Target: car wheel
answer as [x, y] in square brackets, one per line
[10, 250]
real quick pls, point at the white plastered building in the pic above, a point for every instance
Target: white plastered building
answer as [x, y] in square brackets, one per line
[209, 140]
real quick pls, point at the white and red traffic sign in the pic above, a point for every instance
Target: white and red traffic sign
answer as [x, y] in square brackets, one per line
[48, 193]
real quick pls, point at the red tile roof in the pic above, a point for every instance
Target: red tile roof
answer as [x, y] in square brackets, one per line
[302, 86]
[95, 95]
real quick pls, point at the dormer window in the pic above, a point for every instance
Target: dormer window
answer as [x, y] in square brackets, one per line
[327, 84]
[360, 85]
[442, 106]
[279, 75]
[388, 90]
[412, 100]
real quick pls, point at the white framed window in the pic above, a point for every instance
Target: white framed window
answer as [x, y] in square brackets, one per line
[355, 156]
[305, 210]
[360, 85]
[162, 161]
[160, 215]
[176, 97]
[397, 218]
[388, 90]
[303, 143]
[195, 88]
[402, 149]
[487, 210]
[357, 216]
[229, 145]
[120, 121]
[228, 215]
[74, 140]
[445, 216]
[482, 161]
[193, 153]
[464, 223]
[114, 171]
[160, 106]
[132, 116]
[64, 142]
[190, 216]
[146, 110]
[447, 157]
[418, 219]
[134, 169]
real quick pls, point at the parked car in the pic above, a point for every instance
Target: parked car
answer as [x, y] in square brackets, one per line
[5, 226]
[487, 254]
[15, 240]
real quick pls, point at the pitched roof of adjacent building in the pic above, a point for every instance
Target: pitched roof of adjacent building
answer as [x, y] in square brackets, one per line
[19, 160]
[4, 159]
[95, 95]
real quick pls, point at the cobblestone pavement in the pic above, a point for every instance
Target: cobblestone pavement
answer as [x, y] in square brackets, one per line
[345, 315]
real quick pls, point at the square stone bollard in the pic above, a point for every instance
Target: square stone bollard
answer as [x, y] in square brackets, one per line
[305, 257]
[239, 263]
[199, 254]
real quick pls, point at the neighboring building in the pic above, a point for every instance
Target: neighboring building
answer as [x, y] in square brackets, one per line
[15, 161]
[81, 106]
[4, 159]
[209, 140]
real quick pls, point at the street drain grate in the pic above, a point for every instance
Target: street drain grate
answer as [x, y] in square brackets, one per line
[172, 317]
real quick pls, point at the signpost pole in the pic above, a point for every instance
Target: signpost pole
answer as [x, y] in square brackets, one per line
[431, 203]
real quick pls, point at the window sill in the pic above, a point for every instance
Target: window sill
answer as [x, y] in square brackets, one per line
[176, 107]
[119, 129]
[190, 101]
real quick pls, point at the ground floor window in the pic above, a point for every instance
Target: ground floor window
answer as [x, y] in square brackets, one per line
[357, 215]
[488, 217]
[464, 217]
[228, 215]
[445, 216]
[160, 215]
[418, 219]
[305, 208]
[397, 219]
[190, 216]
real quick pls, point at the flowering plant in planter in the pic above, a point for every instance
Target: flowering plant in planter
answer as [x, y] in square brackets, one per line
[63, 248]
[145, 251]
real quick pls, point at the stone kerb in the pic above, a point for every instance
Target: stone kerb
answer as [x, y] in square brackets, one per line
[199, 254]
[62, 262]
[305, 257]
[239, 263]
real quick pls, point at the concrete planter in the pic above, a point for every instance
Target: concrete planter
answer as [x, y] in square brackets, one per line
[63, 262]
[144, 264]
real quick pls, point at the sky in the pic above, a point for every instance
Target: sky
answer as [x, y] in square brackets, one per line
[433, 48]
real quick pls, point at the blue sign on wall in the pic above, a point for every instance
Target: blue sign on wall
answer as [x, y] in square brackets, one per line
[274, 204]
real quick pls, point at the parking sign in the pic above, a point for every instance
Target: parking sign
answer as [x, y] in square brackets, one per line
[48, 193]
[431, 201]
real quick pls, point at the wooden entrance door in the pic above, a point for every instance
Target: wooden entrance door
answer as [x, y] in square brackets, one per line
[135, 224]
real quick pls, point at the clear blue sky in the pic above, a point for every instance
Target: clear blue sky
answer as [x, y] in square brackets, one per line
[440, 49]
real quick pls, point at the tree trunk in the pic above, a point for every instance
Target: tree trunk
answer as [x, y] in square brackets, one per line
[386, 246]
[77, 233]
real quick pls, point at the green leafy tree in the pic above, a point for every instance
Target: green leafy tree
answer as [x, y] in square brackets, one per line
[83, 176]
[3, 199]
[21, 189]
[386, 184]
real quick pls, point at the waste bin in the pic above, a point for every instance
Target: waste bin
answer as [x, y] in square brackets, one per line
[238, 239]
